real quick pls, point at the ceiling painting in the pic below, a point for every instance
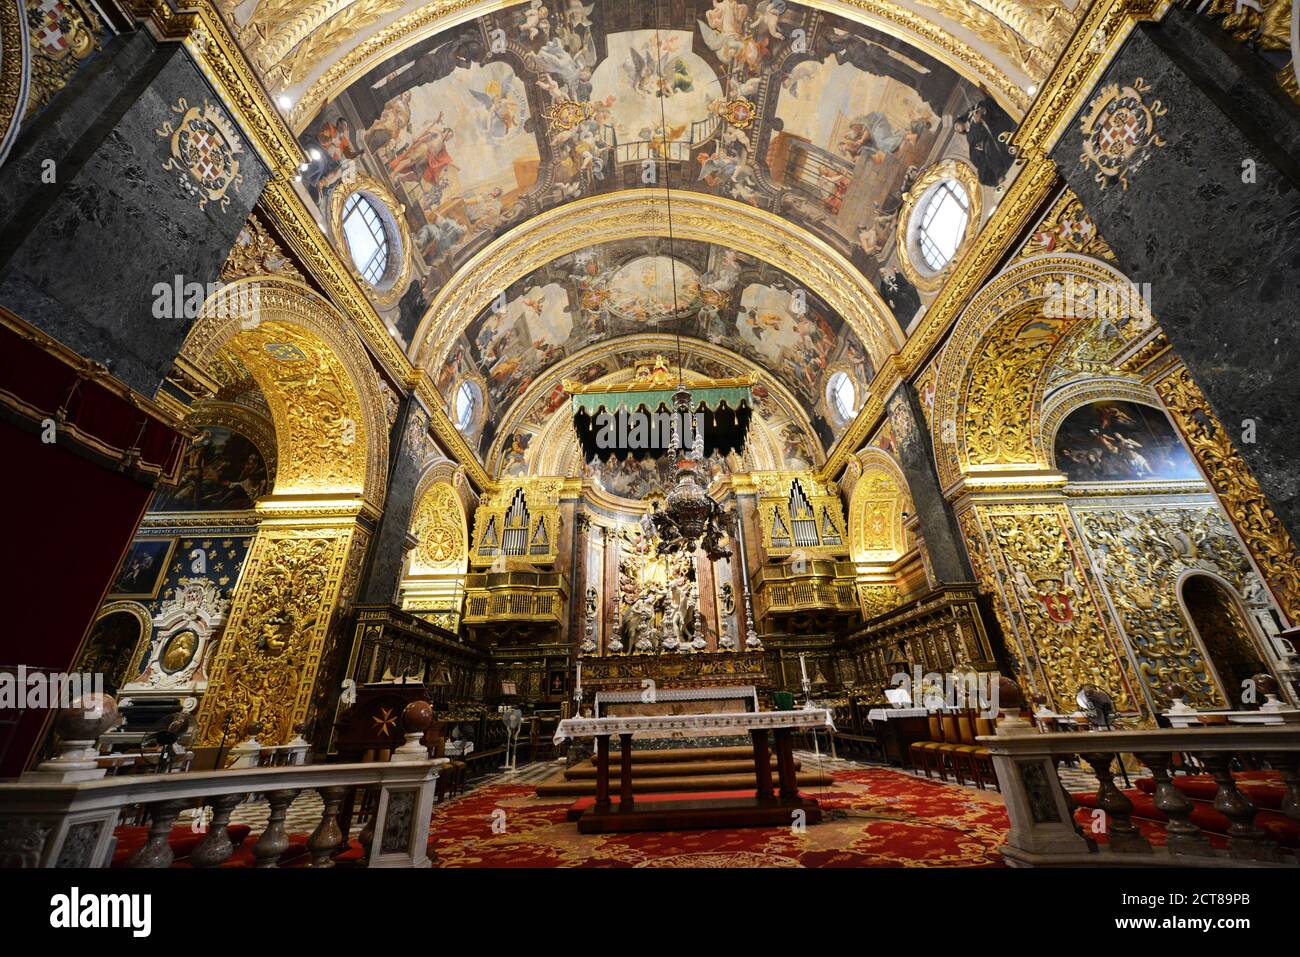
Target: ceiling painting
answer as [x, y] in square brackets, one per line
[807, 115]
[621, 289]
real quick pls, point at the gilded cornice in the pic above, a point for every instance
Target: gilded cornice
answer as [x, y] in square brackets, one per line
[440, 15]
[1105, 27]
[216, 53]
[636, 213]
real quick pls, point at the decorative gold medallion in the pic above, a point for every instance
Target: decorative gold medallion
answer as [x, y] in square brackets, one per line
[204, 146]
[1119, 131]
[566, 114]
[739, 112]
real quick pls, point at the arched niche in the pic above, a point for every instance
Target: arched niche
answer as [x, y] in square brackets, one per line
[990, 418]
[324, 396]
[877, 532]
[1224, 631]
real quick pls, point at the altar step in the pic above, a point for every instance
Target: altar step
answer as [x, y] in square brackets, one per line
[669, 769]
[704, 779]
[678, 755]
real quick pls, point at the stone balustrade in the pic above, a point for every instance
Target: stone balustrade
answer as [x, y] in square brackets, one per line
[71, 824]
[1043, 827]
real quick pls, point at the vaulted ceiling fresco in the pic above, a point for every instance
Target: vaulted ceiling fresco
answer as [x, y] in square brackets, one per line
[625, 288]
[815, 118]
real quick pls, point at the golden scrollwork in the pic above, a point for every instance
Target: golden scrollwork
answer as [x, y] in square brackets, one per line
[331, 423]
[876, 510]
[1041, 575]
[1143, 554]
[997, 362]
[61, 37]
[1264, 534]
[439, 524]
[256, 253]
[1067, 228]
[267, 664]
[875, 600]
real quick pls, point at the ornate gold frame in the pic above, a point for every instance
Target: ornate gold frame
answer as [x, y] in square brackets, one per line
[966, 176]
[363, 183]
[15, 71]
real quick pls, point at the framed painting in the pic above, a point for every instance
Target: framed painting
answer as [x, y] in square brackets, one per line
[142, 572]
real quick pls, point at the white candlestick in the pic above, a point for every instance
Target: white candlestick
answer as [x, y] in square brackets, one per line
[803, 667]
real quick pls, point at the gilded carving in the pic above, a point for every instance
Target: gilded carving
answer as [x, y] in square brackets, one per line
[1042, 578]
[267, 663]
[439, 524]
[1265, 536]
[1067, 228]
[1142, 555]
[256, 253]
[62, 34]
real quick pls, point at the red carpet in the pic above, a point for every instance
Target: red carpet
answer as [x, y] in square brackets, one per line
[876, 818]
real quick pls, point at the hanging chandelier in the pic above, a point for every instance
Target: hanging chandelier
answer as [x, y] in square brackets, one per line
[690, 518]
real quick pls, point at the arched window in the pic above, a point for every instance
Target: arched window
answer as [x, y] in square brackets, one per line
[843, 395]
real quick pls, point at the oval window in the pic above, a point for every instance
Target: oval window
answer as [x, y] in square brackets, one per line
[942, 222]
[367, 239]
[842, 394]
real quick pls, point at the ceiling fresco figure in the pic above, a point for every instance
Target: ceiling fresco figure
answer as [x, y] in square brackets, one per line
[815, 118]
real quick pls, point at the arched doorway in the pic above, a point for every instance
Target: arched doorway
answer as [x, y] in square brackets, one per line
[1224, 632]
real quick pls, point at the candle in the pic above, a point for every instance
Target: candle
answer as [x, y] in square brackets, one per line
[803, 667]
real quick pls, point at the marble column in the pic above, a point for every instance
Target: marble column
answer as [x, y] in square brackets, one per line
[938, 526]
[1208, 214]
[409, 447]
[98, 208]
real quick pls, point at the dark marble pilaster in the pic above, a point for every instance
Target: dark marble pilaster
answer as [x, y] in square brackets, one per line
[938, 526]
[80, 256]
[1220, 250]
[409, 445]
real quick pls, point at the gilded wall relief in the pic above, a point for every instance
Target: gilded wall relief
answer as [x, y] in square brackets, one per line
[439, 524]
[1142, 554]
[1067, 228]
[1043, 579]
[63, 35]
[1266, 538]
[267, 665]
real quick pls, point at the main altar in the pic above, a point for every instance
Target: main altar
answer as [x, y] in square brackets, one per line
[763, 806]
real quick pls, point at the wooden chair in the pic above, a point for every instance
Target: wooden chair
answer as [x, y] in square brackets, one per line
[923, 753]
